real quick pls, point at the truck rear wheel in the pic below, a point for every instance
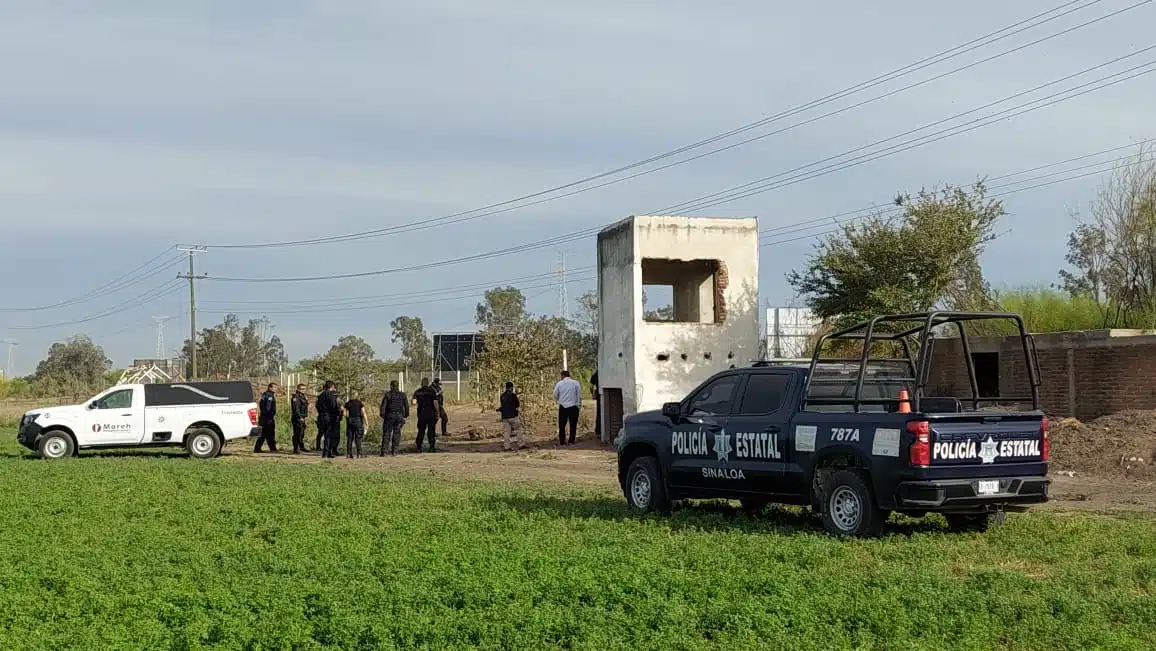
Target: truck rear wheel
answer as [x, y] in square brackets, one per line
[55, 445]
[203, 444]
[849, 507]
[644, 488]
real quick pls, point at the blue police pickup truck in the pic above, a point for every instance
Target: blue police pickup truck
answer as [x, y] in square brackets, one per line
[855, 436]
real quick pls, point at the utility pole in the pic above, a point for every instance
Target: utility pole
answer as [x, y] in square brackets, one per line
[562, 299]
[160, 321]
[192, 277]
[12, 343]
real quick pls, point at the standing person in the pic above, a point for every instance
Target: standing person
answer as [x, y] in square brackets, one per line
[568, 395]
[427, 414]
[597, 405]
[299, 410]
[445, 419]
[329, 405]
[268, 419]
[509, 411]
[394, 411]
[354, 424]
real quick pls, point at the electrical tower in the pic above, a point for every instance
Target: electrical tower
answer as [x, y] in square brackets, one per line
[12, 344]
[563, 313]
[160, 321]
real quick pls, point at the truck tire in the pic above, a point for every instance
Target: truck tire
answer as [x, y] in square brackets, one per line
[644, 488]
[849, 507]
[974, 523]
[203, 444]
[55, 445]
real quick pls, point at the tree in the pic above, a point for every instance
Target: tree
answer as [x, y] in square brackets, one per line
[74, 367]
[230, 350]
[928, 256]
[351, 363]
[529, 355]
[586, 319]
[409, 333]
[661, 313]
[502, 306]
[1112, 255]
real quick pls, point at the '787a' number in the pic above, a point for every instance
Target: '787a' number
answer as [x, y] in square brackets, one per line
[844, 434]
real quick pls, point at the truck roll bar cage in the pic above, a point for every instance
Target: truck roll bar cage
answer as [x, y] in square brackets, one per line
[869, 332]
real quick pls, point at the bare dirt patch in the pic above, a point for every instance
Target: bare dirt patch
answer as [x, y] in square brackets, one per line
[1121, 445]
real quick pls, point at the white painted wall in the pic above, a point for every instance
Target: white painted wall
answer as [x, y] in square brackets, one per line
[629, 346]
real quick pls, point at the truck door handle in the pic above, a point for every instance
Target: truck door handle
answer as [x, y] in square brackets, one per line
[126, 414]
[773, 429]
[714, 428]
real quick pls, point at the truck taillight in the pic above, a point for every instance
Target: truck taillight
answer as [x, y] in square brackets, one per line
[253, 416]
[920, 450]
[1044, 447]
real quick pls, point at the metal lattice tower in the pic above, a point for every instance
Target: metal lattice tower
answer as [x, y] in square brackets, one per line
[562, 298]
[12, 344]
[160, 321]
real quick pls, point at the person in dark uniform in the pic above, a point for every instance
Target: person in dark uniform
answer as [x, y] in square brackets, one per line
[597, 405]
[329, 418]
[394, 411]
[354, 425]
[299, 409]
[427, 414]
[445, 419]
[268, 419]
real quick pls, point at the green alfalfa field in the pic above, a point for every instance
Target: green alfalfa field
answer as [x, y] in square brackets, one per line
[157, 551]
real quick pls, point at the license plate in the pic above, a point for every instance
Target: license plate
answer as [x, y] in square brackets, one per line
[988, 487]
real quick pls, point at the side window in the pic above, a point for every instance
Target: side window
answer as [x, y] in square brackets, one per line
[765, 393]
[716, 397]
[116, 400]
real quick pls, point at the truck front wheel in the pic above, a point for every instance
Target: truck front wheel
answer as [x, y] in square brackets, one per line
[849, 507]
[644, 488]
[55, 445]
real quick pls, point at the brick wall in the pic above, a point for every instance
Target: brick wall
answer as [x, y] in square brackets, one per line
[1083, 374]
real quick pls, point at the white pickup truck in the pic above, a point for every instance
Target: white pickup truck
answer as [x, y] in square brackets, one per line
[199, 416]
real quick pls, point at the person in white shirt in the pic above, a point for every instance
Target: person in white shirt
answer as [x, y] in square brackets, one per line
[568, 395]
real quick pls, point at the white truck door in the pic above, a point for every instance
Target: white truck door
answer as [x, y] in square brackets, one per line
[117, 417]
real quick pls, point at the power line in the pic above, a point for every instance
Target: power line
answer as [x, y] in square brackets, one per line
[896, 211]
[145, 298]
[768, 183]
[120, 282]
[549, 285]
[505, 206]
[746, 190]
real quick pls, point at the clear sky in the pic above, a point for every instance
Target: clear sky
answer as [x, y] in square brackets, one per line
[129, 126]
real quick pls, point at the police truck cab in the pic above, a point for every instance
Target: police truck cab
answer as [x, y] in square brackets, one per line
[199, 416]
[855, 436]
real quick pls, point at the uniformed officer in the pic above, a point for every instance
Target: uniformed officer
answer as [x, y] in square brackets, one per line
[427, 414]
[329, 420]
[394, 411]
[299, 408]
[268, 419]
[442, 416]
[354, 425]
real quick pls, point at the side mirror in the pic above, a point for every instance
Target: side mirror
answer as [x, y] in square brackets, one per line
[672, 410]
[92, 405]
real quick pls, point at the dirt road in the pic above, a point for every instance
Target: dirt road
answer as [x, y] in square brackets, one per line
[589, 465]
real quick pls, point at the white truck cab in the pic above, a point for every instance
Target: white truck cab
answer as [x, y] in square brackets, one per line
[200, 416]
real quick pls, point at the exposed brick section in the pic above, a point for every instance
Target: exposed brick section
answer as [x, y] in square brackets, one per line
[721, 282]
[1109, 373]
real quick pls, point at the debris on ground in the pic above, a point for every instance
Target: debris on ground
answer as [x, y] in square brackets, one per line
[1117, 445]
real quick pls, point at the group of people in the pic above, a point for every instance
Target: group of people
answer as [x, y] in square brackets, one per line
[394, 411]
